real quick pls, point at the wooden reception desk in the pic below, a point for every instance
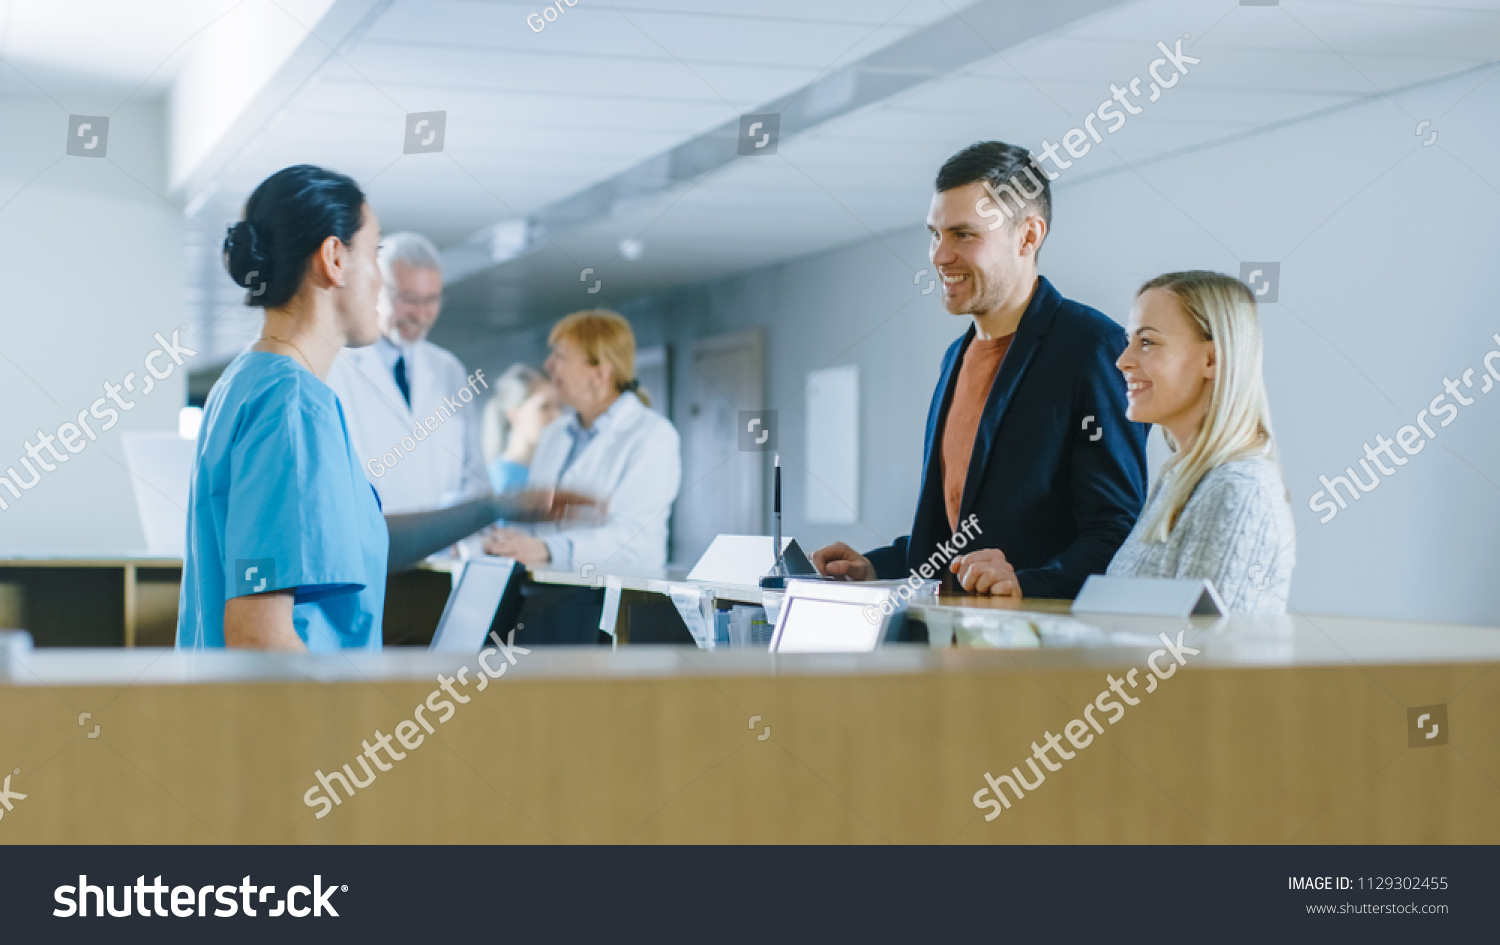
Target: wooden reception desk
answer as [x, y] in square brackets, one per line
[1283, 730]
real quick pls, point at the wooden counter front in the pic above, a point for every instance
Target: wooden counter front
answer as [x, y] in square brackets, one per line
[677, 745]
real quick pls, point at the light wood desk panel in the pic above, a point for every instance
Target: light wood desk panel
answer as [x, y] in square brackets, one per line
[1300, 742]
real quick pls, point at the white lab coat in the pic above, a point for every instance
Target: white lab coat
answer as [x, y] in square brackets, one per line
[443, 465]
[634, 462]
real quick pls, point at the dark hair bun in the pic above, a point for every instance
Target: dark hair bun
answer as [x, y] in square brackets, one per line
[286, 219]
[247, 259]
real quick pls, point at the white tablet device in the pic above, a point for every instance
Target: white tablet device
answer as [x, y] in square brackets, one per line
[477, 591]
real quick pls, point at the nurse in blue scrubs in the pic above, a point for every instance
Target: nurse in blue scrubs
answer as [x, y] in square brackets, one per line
[287, 548]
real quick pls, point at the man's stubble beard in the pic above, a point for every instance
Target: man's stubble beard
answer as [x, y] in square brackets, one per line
[984, 300]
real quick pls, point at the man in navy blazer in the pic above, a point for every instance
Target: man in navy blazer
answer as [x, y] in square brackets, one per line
[1032, 476]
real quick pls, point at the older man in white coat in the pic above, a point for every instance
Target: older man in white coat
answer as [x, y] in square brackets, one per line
[411, 407]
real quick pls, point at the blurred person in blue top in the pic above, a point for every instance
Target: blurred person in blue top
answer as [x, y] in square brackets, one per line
[287, 548]
[524, 403]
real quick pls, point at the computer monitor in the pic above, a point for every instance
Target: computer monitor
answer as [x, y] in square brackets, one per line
[478, 589]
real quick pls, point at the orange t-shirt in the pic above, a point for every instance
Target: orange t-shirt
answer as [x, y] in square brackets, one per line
[975, 377]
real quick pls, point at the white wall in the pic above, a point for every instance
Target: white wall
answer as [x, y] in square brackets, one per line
[855, 305]
[90, 261]
[1387, 253]
[1388, 284]
[852, 306]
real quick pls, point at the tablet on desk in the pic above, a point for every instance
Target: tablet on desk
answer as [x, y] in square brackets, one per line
[477, 592]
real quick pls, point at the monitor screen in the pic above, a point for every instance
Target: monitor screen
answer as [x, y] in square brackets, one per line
[472, 605]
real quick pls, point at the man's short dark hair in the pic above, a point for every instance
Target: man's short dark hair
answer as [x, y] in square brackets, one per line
[1016, 182]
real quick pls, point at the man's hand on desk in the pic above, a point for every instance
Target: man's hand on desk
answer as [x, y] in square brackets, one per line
[986, 572]
[506, 543]
[838, 559]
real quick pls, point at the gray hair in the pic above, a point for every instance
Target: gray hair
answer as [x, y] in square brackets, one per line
[411, 249]
[518, 382]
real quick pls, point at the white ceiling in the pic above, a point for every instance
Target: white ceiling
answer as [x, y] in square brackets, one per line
[870, 171]
[101, 48]
[536, 118]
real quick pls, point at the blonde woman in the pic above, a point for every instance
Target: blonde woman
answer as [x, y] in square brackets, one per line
[524, 404]
[1219, 509]
[629, 456]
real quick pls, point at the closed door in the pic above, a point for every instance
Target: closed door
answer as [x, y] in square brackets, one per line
[721, 485]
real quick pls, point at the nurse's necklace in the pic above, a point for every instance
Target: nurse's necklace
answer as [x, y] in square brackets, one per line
[292, 346]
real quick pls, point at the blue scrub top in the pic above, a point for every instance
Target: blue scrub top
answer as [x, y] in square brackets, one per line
[279, 501]
[507, 476]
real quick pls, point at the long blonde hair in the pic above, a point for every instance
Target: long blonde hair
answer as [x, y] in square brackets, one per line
[604, 337]
[1237, 423]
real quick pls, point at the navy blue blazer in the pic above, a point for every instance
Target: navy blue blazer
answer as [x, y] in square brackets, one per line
[1057, 475]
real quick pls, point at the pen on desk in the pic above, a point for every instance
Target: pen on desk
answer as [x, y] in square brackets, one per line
[776, 507]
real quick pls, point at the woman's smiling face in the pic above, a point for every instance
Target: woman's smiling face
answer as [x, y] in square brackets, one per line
[1168, 366]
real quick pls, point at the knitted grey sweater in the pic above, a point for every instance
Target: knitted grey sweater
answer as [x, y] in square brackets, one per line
[1236, 530]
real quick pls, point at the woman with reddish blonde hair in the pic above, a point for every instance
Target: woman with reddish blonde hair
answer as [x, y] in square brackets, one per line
[608, 444]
